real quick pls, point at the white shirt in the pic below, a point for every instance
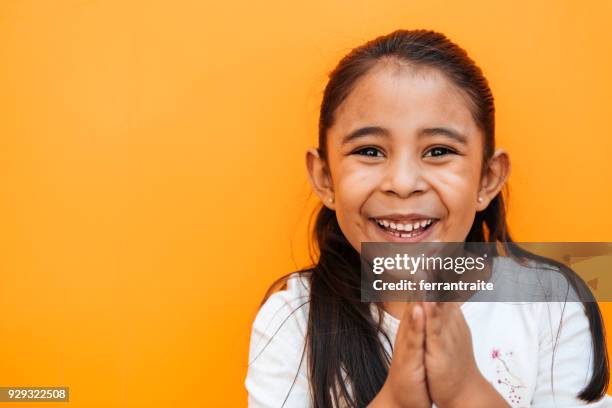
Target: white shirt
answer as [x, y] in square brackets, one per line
[512, 343]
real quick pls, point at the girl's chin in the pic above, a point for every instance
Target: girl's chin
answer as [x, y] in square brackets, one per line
[385, 235]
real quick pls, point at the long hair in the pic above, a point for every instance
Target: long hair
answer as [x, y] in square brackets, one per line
[346, 358]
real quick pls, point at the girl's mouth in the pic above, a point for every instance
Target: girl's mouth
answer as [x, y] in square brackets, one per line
[405, 230]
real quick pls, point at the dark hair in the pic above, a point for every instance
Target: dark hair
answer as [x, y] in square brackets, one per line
[342, 337]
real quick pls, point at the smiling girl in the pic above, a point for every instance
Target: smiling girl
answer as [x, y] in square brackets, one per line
[407, 154]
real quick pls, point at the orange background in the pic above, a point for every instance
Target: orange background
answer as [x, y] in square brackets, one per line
[152, 175]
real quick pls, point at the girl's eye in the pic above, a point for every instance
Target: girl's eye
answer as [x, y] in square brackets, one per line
[369, 151]
[438, 151]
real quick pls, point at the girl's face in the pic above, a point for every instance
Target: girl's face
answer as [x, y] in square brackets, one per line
[404, 159]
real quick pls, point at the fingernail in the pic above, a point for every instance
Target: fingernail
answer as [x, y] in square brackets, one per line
[417, 312]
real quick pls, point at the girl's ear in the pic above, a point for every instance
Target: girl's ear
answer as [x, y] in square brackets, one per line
[319, 177]
[495, 176]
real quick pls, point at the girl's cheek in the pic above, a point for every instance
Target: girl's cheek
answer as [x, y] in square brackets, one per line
[453, 183]
[358, 181]
[456, 190]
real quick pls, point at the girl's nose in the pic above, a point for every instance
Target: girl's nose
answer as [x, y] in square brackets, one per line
[404, 177]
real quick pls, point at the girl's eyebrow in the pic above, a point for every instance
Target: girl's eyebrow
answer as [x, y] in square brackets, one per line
[365, 131]
[450, 133]
[380, 131]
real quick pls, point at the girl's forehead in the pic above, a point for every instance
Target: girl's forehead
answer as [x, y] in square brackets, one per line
[404, 97]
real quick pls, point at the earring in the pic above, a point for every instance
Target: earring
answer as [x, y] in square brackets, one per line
[330, 199]
[480, 200]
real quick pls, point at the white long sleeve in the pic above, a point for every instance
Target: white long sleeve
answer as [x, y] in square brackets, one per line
[277, 361]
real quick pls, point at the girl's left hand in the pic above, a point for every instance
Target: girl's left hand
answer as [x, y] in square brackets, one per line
[453, 378]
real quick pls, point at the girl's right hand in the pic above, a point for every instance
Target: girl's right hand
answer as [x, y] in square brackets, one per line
[406, 384]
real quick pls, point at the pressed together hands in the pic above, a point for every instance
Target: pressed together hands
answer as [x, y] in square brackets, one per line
[433, 362]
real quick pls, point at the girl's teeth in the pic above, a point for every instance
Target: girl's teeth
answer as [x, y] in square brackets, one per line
[396, 227]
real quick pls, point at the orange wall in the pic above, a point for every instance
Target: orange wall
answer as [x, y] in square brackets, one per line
[152, 177]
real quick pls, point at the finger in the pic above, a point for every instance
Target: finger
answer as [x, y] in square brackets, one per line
[416, 343]
[459, 320]
[455, 326]
[405, 327]
[433, 320]
[418, 320]
[451, 312]
[447, 308]
[410, 341]
[413, 325]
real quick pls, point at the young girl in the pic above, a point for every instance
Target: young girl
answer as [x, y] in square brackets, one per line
[407, 154]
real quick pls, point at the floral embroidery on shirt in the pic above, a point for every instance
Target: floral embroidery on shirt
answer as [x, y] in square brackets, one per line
[506, 380]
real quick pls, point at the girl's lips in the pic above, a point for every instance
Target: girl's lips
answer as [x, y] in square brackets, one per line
[395, 236]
